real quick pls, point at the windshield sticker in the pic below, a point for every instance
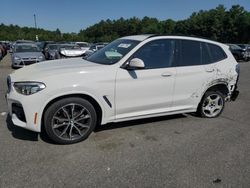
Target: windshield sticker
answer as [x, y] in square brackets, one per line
[123, 45]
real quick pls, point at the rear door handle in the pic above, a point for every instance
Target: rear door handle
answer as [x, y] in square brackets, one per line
[210, 70]
[166, 74]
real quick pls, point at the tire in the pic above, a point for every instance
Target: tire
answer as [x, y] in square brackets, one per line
[212, 104]
[70, 120]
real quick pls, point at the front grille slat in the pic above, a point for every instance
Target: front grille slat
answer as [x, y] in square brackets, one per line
[28, 62]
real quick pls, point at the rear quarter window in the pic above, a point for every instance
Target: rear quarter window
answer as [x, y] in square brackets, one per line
[216, 53]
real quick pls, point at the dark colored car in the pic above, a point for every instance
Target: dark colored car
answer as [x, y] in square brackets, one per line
[43, 44]
[3, 50]
[51, 51]
[238, 53]
[246, 48]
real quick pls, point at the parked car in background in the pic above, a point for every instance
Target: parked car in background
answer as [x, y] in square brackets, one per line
[246, 48]
[3, 50]
[42, 45]
[22, 42]
[51, 51]
[93, 48]
[83, 45]
[131, 78]
[1, 54]
[70, 50]
[25, 54]
[238, 52]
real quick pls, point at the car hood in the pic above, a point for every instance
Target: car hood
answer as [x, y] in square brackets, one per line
[27, 54]
[39, 71]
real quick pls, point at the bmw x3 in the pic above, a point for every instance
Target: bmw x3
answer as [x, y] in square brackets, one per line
[131, 78]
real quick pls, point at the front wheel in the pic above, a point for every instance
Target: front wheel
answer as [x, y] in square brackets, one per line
[211, 105]
[70, 120]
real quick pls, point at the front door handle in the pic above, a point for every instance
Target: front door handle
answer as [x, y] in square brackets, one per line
[166, 74]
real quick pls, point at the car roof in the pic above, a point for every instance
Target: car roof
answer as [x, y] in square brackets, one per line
[25, 41]
[26, 44]
[146, 36]
[138, 37]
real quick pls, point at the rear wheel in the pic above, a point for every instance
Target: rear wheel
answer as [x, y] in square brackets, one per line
[211, 105]
[70, 120]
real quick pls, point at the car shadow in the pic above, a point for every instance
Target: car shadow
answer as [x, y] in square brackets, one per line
[137, 122]
[23, 134]
[20, 133]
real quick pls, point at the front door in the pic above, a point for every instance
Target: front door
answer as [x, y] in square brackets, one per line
[149, 90]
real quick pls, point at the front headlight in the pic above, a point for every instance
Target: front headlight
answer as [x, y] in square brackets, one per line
[28, 88]
[17, 58]
[40, 57]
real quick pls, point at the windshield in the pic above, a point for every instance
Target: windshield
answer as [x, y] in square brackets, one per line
[113, 52]
[53, 47]
[70, 47]
[235, 47]
[27, 48]
[82, 45]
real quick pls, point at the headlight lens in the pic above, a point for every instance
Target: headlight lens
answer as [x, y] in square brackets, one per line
[28, 88]
[40, 57]
[17, 58]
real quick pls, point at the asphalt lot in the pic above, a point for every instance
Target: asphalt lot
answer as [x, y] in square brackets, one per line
[173, 151]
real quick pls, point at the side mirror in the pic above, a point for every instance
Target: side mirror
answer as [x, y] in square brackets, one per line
[136, 63]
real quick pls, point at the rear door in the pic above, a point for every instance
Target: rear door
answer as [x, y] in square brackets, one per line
[190, 74]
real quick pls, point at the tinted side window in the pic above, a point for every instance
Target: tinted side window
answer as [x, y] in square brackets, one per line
[216, 53]
[157, 53]
[189, 53]
[205, 54]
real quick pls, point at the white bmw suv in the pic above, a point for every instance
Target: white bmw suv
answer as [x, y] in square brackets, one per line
[133, 77]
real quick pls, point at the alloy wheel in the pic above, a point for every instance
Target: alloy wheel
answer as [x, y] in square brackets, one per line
[212, 105]
[71, 122]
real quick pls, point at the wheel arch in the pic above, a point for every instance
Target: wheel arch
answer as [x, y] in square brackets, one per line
[92, 100]
[221, 86]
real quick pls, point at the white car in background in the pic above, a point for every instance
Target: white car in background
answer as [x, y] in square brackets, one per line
[83, 45]
[70, 50]
[132, 77]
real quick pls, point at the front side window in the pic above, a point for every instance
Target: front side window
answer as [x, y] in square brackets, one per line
[113, 52]
[53, 47]
[156, 54]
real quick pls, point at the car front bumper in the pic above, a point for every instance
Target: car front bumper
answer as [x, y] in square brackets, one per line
[25, 111]
[22, 63]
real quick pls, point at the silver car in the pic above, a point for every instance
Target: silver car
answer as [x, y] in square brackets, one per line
[25, 54]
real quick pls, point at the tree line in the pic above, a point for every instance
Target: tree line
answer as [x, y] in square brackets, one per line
[220, 24]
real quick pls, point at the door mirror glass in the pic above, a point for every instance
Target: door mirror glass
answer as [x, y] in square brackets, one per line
[136, 63]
